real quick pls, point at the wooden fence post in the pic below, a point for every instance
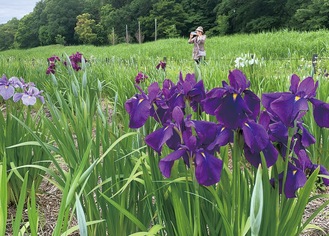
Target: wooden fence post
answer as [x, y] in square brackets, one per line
[155, 30]
[314, 62]
[139, 33]
[113, 40]
[127, 37]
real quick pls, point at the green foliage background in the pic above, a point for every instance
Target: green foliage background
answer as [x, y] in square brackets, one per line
[54, 22]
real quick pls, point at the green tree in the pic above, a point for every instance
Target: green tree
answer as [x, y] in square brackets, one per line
[312, 16]
[105, 19]
[27, 35]
[61, 20]
[167, 15]
[44, 36]
[199, 13]
[7, 34]
[84, 28]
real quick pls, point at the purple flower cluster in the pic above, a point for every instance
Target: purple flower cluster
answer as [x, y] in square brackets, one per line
[75, 61]
[237, 110]
[284, 113]
[140, 77]
[29, 93]
[162, 65]
[52, 64]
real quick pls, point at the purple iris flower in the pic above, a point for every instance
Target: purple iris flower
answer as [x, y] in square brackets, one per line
[29, 97]
[139, 106]
[196, 95]
[52, 64]
[75, 60]
[75, 66]
[320, 112]
[162, 65]
[232, 104]
[51, 69]
[207, 166]
[53, 59]
[304, 163]
[256, 140]
[278, 133]
[172, 95]
[7, 86]
[295, 180]
[140, 77]
[291, 106]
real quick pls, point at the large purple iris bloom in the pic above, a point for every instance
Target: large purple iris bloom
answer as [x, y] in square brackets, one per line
[295, 180]
[236, 107]
[291, 106]
[232, 104]
[159, 103]
[192, 148]
[139, 106]
[285, 110]
[256, 141]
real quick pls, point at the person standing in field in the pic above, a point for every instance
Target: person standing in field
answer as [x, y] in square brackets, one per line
[198, 38]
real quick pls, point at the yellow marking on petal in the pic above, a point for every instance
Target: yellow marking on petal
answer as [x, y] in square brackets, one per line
[6, 86]
[297, 98]
[140, 100]
[222, 129]
[202, 153]
[246, 124]
[294, 172]
[234, 96]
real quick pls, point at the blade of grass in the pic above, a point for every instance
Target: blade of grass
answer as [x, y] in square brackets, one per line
[20, 206]
[76, 227]
[32, 212]
[125, 212]
[3, 196]
[81, 217]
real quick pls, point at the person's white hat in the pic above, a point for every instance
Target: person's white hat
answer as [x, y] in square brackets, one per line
[199, 29]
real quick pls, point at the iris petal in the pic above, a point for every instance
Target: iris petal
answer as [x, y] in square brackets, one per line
[295, 180]
[139, 111]
[270, 154]
[167, 162]
[159, 137]
[232, 112]
[294, 82]
[213, 100]
[253, 103]
[307, 87]
[255, 136]
[238, 80]
[321, 112]
[207, 168]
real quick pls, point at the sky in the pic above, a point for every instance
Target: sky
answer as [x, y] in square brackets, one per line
[15, 8]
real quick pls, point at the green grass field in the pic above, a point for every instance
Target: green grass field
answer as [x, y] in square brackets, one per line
[111, 183]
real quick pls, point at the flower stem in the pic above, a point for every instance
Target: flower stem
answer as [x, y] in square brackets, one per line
[236, 209]
[197, 218]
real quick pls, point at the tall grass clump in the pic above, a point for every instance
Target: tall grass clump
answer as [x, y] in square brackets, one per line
[19, 101]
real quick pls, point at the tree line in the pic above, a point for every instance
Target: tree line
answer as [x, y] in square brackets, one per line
[103, 22]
